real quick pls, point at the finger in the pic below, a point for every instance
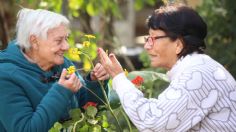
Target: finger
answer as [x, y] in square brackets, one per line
[75, 82]
[79, 85]
[104, 77]
[97, 67]
[103, 57]
[114, 59]
[92, 73]
[63, 74]
[99, 70]
[72, 78]
[115, 62]
[100, 73]
[76, 85]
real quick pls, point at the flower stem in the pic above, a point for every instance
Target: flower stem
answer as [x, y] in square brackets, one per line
[126, 118]
[95, 95]
[74, 127]
[109, 107]
[107, 104]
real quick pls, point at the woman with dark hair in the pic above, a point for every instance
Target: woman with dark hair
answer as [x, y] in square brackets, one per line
[201, 94]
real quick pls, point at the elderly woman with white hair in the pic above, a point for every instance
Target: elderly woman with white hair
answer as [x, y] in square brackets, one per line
[35, 89]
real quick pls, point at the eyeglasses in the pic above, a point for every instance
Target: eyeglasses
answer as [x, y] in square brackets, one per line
[150, 40]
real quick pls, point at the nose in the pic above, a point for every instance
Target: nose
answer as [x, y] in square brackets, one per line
[65, 45]
[147, 46]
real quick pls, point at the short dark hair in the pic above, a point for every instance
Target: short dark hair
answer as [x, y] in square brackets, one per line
[180, 21]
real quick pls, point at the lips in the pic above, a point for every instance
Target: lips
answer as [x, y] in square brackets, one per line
[60, 54]
[152, 56]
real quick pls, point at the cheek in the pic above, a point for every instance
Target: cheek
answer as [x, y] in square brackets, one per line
[54, 50]
[159, 50]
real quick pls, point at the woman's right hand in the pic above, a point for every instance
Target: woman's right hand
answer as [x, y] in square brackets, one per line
[71, 82]
[111, 64]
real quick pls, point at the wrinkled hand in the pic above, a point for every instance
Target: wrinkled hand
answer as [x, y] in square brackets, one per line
[111, 64]
[99, 73]
[71, 82]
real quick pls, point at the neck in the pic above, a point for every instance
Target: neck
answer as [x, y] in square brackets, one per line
[32, 57]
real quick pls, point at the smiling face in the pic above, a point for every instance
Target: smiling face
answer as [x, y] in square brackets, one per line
[163, 51]
[49, 52]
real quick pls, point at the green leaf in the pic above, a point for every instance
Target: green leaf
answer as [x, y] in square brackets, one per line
[75, 114]
[75, 4]
[67, 124]
[91, 9]
[92, 121]
[91, 111]
[56, 127]
[105, 124]
[114, 99]
[75, 13]
[144, 58]
[138, 5]
[96, 128]
[104, 118]
[148, 75]
[30, 1]
[85, 128]
[53, 130]
[115, 10]
[151, 2]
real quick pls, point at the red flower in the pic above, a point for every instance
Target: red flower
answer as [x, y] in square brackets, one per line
[138, 80]
[89, 104]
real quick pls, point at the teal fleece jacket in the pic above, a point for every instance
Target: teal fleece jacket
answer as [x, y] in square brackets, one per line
[31, 100]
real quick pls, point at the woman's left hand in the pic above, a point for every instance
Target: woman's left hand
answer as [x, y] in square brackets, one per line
[99, 73]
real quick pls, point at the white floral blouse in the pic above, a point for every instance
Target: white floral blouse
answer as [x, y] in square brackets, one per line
[201, 97]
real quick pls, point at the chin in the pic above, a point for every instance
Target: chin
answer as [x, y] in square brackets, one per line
[155, 65]
[59, 62]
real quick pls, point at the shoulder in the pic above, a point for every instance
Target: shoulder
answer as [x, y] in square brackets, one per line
[7, 68]
[208, 74]
[8, 73]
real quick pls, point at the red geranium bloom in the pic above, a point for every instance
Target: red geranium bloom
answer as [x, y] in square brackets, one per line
[138, 81]
[89, 104]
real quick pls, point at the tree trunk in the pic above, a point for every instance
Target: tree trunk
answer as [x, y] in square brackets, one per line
[3, 29]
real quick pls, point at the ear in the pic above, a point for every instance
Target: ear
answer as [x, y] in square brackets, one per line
[33, 41]
[179, 46]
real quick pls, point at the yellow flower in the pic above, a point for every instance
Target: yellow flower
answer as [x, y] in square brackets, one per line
[90, 36]
[86, 43]
[71, 70]
[87, 65]
[74, 53]
[126, 72]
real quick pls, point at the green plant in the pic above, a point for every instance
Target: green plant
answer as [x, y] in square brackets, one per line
[94, 118]
[147, 82]
[220, 18]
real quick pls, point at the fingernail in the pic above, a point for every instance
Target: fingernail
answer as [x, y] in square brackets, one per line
[111, 55]
[98, 50]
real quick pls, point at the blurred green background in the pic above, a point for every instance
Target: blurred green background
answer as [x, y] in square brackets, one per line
[119, 25]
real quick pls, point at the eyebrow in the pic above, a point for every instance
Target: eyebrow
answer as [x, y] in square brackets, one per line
[62, 37]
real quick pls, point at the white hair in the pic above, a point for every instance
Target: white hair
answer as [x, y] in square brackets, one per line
[36, 22]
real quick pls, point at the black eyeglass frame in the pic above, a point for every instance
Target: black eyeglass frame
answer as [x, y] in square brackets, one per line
[154, 38]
